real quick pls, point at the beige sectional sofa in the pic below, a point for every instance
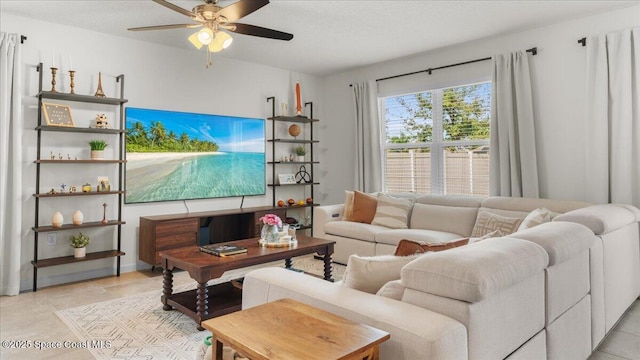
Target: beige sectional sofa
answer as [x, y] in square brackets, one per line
[551, 291]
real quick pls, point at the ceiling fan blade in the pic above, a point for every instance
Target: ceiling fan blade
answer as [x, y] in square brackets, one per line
[241, 9]
[164, 27]
[176, 8]
[253, 30]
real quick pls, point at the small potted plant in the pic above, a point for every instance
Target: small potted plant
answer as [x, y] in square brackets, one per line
[79, 243]
[97, 149]
[300, 152]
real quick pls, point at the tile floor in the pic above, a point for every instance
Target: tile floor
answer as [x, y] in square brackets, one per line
[30, 316]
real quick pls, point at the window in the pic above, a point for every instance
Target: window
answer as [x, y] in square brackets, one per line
[438, 141]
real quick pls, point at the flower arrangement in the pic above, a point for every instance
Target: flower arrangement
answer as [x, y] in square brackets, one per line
[271, 219]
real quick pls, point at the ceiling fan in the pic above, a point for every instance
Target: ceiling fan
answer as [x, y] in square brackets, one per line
[213, 18]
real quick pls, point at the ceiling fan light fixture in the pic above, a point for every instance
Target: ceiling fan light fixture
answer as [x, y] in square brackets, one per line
[212, 18]
[194, 40]
[225, 39]
[205, 35]
[221, 41]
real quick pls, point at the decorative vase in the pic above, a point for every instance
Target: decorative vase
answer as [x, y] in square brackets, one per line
[300, 158]
[79, 252]
[57, 219]
[97, 154]
[78, 218]
[270, 233]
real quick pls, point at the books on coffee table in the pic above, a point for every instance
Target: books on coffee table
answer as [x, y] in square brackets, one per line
[223, 250]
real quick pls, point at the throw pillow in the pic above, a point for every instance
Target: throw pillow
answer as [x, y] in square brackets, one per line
[364, 207]
[409, 247]
[490, 235]
[348, 205]
[368, 274]
[487, 222]
[393, 290]
[536, 217]
[392, 212]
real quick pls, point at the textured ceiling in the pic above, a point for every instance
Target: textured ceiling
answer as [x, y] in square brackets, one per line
[330, 36]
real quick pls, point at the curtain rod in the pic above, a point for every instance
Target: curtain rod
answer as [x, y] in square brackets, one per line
[533, 51]
[583, 41]
[22, 39]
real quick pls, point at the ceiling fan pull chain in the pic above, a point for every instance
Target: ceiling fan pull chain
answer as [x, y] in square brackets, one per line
[209, 62]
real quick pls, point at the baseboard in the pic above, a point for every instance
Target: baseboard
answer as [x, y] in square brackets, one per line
[44, 281]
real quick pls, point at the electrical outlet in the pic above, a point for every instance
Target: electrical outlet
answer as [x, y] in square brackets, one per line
[52, 239]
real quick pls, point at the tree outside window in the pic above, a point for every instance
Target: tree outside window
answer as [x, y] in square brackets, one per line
[437, 141]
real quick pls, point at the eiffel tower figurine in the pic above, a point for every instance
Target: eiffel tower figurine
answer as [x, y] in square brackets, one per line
[99, 92]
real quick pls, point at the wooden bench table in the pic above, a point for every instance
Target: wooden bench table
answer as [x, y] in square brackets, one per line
[288, 329]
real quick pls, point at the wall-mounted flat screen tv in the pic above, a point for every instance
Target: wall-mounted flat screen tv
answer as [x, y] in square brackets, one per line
[181, 156]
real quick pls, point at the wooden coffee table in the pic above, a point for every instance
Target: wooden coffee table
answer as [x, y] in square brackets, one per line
[288, 329]
[206, 302]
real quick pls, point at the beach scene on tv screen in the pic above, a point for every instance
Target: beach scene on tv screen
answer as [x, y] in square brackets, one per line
[181, 156]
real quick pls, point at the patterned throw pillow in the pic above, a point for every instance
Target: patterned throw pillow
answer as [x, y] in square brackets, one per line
[392, 212]
[364, 207]
[493, 234]
[487, 222]
[348, 205]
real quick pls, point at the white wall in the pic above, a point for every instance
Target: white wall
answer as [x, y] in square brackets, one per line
[558, 80]
[157, 77]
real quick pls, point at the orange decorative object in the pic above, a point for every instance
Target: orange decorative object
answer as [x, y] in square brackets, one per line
[280, 203]
[294, 130]
[298, 101]
[301, 202]
[291, 202]
[309, 200]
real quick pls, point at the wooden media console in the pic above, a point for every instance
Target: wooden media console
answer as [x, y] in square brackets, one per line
[162, 232]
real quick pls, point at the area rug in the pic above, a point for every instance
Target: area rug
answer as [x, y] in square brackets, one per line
[136, 327]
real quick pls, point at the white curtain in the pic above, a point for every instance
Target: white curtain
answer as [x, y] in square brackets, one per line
[513, 169]
[10, 164]
[368, 175]
[613, 118]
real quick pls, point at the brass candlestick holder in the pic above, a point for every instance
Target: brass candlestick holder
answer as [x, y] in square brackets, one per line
[72, 74]
[99, 92]
[53, 79]
[104, 214]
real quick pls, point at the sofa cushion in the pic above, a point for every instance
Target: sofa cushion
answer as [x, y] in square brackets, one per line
[370, 273]
[451, 200]
[601, 219]
[364, 207]
[392, 212]
[409, 247]
[634, 210]
[561, 240]
[527, 205]
[487, 222]
[393, 236]
[354, 230]
[472, 273]
[452, 219]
